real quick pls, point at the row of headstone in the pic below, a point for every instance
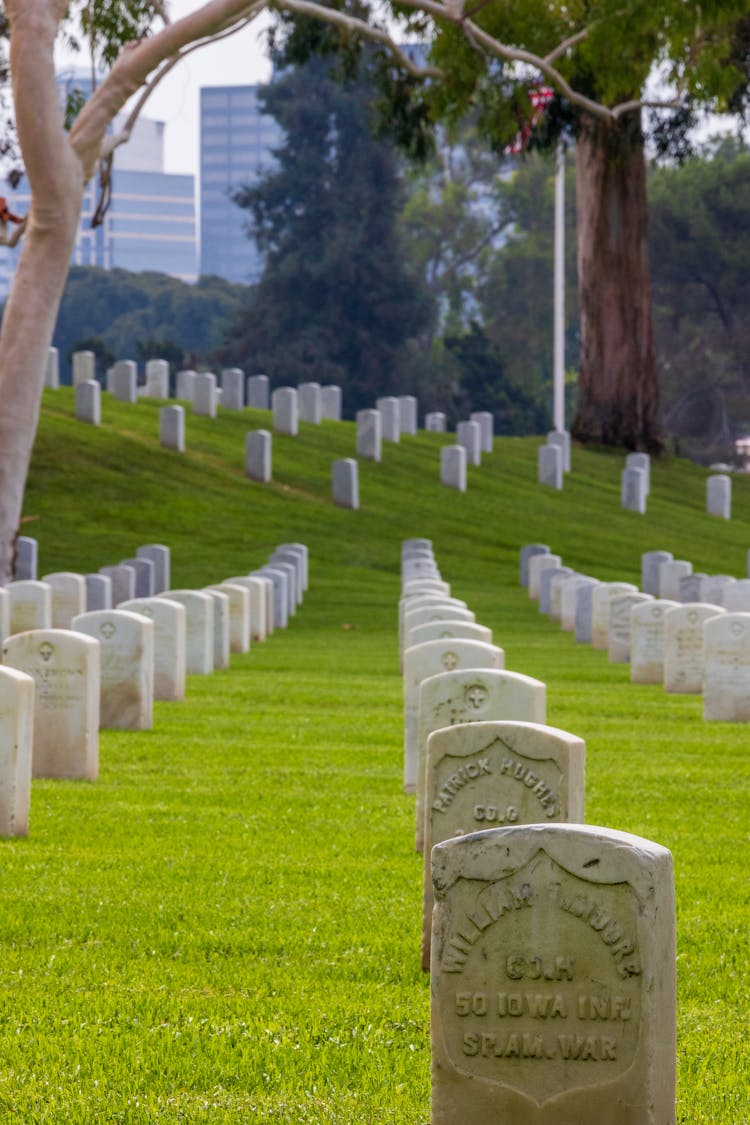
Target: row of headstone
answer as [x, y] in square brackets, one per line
[68, 671]
[540, 933]
[689, 644]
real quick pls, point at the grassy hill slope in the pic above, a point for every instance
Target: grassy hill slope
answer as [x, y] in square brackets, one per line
[225, 927]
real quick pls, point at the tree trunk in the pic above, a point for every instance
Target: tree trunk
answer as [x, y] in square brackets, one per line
[618, 391]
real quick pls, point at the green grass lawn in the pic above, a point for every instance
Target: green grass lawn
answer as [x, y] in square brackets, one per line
[225, 927]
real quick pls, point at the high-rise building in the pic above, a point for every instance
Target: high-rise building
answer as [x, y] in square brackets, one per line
[237, 143]
[150, 223]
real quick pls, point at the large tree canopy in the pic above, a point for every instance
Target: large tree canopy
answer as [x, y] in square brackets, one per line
[337, 300]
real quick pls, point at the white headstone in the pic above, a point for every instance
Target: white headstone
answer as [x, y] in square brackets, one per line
[160, 556]
[569, 599]
[68, 597]
[125, 380]
[726, 671]
[408, 414]
[157, 378]
[670, 573]
[169, 620]
[469, 435]
[185, 385]
[89, 402]
[538, 563]
[222, 645]
[122, 577]
[145, 575]
[126, 649]
[486, 427]
[16, 733]
[600, 610]
[310, 401]
[84, 367]
[526, 554]
[618, 639]
[647, 641]
[550, 466]
[453, 467]
[52, 374]
[442, 630]
[258, 455]
[633, 490]
[285, 411]
[199, 629]
[345, 483]
[27, 552]
[239, 615]
[683, 647]
[390, 412]
[370, 435]
[256, 588]
[719, 496]
[561, 438]
[172, 428]
[258, 392]
[650, 563]
[435, 422]
[205, 396]
[641, 461]
[331, 398]
[714, 588]
[737, 597]
[30, 605]
[233, 388]
[98, 592]
[584, 612]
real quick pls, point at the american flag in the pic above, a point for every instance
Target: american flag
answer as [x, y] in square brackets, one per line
[540, 97]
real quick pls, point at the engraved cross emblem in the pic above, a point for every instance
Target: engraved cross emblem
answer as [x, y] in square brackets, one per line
[476, 695]
[450, 661]
[46, 650]
[108, 630]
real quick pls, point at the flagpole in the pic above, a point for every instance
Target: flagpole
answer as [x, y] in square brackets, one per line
[558, 370]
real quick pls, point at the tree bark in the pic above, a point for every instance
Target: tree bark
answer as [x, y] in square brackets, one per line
[618, 390]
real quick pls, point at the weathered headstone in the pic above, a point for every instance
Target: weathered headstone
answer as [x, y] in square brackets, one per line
[65, 667]
[486, 426]
[435, 422]
[345, 483]
[683, 647]
[331, 397]
[157, 378]
[670, 573]
[310, 402]
[199, 629]
[98, 592]
[537, 564]
[390, 416]
[550, 466]
[172, 428]
[84, 367]
[68, 597]
[30, 605]
[429, 659]
[527, 553]
[16, 733]
[719, 496]
[27, 554]
[125, 380]
[233, 388]
[641, 461]
[89, 402]
[647, 641]
[618, 637]
[52, 374]
[650, 563]
[122, 577]
[408, 414]
[633, 490]
[600, 610]
[469, 435]
[553, 978]
[453, 467]
[205, 394]
[433, 601]
[126, 650]
[370, 435]
[726, 668]
[471, 695]
[285, 409]
[258, 392]
[561, 438]
[491, 774]
[258, 455]
[169, 620]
